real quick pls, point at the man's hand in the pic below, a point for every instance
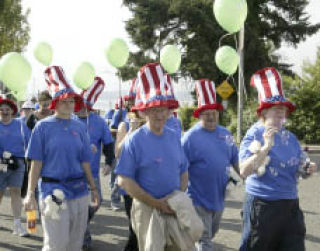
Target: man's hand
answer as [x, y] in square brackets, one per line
[163, 206]
[106, 169]
[29, 202]
[95, 198]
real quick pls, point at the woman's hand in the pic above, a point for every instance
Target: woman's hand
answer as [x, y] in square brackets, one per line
[312, 168]
[268, 137]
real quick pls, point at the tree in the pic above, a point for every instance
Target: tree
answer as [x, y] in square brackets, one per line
[304, 93]
[191, 25]
[14, 28]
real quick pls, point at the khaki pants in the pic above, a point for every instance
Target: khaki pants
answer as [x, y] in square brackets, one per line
[67, 233]
[140, 219]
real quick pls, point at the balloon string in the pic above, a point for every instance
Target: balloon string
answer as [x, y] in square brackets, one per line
[223, 37]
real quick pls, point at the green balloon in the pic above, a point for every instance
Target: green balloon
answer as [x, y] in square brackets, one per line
[227, 59]
[43, 53]
[117, 53]
[84, 75]
[230, 14]
[15, 71]
[20, 95]
[170, 58]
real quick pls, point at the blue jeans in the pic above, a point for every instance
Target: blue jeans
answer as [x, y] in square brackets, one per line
[247, 205]
[115, 193]
[211, 221]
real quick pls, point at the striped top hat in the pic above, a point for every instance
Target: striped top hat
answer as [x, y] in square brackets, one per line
[268, 83]
[59, 87]
[132, 90]
[153, 89]
[91, 95]
[9, 102]
[169, 91]
[119, 104]
[206, 95]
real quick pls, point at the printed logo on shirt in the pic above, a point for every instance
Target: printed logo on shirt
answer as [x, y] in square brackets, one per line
[227, 138]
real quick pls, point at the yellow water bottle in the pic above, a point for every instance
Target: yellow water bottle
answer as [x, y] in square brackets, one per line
[31, 221]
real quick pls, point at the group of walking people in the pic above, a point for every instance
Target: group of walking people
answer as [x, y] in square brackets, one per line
[173, 185]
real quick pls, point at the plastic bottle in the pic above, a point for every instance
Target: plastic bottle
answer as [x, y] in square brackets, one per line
[31, 221]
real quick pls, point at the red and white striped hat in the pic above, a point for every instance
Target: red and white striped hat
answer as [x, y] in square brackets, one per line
[9, 102]
[119, 104]
[153, 89]
[206, 94]
[91, 95]
[169, 91]
[268, 83]
[132, 90]
[59, 87]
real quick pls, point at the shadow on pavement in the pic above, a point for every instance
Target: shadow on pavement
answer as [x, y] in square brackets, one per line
[312, 238]
[231, 224]
[24, 247]
[221, 247]
[99, 245]
[233, 204]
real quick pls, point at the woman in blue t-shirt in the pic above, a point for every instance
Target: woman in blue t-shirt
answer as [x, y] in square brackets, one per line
[60, 154]
[270, 160]
[14, 136]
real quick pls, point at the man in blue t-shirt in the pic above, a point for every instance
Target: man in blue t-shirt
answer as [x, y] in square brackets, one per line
[152, 163]
[211, 152]
[100, 140]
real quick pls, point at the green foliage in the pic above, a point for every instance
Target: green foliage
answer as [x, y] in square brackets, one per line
[191, 25]
[304, 122]
[14, 28]
[186, 117]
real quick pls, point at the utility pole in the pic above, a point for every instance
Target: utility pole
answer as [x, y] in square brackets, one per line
[240, 86]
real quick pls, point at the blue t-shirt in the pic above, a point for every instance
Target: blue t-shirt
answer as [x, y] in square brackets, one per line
[174, 124]
[210, 155]
[155, 162]
[99, 133]
[62, 145]
[109, 114]
[279, 180]
[11, 138]
[116, 119]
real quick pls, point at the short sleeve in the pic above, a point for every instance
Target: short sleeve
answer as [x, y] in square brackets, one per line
[127, 164]
[185, 141]
[244, 152]
[35, 149]
[184, 163]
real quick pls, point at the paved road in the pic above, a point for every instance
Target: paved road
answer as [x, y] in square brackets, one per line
[110, 228]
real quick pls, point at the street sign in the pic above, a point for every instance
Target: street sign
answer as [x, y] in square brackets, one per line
[225, 90]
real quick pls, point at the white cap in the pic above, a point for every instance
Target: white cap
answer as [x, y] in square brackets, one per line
[28, 105]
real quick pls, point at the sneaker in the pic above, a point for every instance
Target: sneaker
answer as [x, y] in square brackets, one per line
[19, 230]
[115, 206]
